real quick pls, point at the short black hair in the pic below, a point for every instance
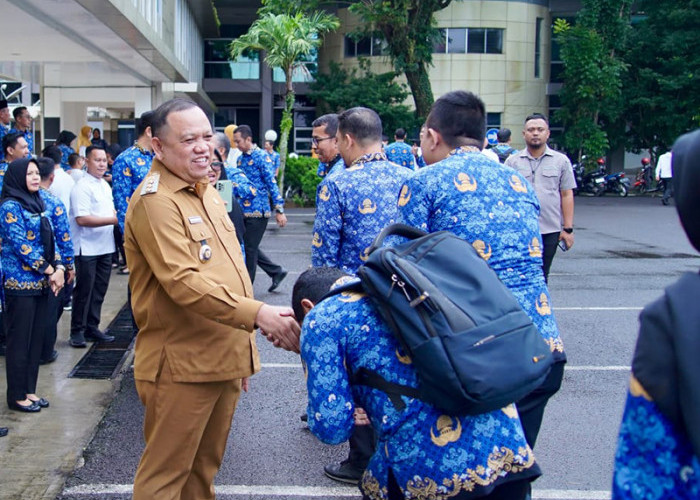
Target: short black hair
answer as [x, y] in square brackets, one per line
[460, 118]
[536, 116]
[329, 121]
[53, 153]
[503, 135]
[10, 141]
[313, 284]
[143, 123]
[400, 133]
[114, 150]
[65, 137]
[92, 148]
[73, 159]
[363, 124]
[159, 120]
[18, 111]
[46, 167]
[244, 130]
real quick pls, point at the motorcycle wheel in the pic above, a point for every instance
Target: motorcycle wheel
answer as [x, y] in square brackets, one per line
[598, 191]
[622, 190]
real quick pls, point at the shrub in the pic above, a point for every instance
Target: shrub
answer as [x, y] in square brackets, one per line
[301, 180]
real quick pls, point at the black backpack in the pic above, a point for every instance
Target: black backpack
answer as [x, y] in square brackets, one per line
[504, 154]
[473, 347]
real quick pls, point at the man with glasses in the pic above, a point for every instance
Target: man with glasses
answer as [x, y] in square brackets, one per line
[325, 146]
[23, 125]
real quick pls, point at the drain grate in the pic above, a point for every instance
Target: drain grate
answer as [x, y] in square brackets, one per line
[103, 361]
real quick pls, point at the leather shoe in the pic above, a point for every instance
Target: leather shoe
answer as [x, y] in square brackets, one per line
[50, 359]
[3, 431]
[277, 279]
[345, 472]
[43, 403]
[78, 342]
[98, 336]
[32, 408]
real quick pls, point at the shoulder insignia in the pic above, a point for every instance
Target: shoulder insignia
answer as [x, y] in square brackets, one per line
[150, 184]
[140, 162]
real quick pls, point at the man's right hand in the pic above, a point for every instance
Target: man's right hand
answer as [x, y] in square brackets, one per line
[279, 326]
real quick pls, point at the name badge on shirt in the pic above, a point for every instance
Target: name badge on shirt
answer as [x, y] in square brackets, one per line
[194, 219]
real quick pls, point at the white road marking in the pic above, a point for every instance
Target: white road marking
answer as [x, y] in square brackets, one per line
[312, 491]
[633, 308]
[579, 368]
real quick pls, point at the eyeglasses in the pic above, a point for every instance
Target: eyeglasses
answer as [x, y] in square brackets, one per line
[316, 140]
[217, 165]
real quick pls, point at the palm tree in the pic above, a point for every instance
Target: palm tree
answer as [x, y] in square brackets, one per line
[286, 40]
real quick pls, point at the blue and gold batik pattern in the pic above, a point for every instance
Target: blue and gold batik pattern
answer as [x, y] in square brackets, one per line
[352, 208]
[334, 166]
[496, 210]
[256, 167]
[66, 151]
[56, 212]
[23, 263]
[431, 455]
[28, 136]
[654, 460]
[4, 130]
[275, 161]
[128, 170]
[3, 169]
[401, 154]
[243, 189]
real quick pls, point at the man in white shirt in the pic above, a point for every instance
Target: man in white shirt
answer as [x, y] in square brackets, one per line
[92, 209]
[62, 183]
[664, 172]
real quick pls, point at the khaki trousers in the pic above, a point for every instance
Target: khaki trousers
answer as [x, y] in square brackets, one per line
[186, 427]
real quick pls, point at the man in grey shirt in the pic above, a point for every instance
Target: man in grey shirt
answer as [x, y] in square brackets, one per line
[551, 175]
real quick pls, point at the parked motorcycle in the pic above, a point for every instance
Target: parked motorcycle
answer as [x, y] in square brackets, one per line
[592, 182]
[616, 182]
[644, 182]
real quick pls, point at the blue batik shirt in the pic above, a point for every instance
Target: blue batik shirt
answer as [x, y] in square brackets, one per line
[654, 459]
[352, 208]
[496, 210]
[128, 170]
[28, 136]
[275, 157]
[3, 169]
[243, 189]
[256, 167]
[431, 454]
[66, 151]
[56, 212]
[4, 130]
[420, 161]
[335, 165]
[23, 263]
[401, 154]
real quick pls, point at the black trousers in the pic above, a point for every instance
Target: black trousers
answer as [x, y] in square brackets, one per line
[531, 407]
[54, 311]
[254, 231]
[25, 325]
[668, 189]
[362, 443]
[550, 241]
[91, 281]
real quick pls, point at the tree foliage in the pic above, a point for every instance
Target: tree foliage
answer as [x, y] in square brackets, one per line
[342, 89]
[662, 87]
[286, 39]
[408, 26]
[593, 69]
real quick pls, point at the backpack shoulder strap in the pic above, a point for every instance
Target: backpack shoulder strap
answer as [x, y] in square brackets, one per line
[363, 376]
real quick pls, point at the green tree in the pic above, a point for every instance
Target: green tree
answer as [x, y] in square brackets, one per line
[286, 40]
[408, 26]
[341, 89]
[662, 87]
[591, 96]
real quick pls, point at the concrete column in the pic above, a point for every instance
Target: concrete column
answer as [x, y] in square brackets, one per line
[142, 100]
[73, 116]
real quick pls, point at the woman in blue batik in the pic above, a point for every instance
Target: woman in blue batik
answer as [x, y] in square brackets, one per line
[63, 142]
[658, 452]
[32, 270]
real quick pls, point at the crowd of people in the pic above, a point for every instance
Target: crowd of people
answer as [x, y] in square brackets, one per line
[192, 211]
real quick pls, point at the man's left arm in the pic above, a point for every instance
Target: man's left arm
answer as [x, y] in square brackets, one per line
[264, 165]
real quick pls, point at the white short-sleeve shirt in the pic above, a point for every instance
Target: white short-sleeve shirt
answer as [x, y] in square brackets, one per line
[92, 196]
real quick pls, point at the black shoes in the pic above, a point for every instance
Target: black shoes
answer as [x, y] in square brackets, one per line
[277, 279]
[32, 408]
[345, 472]
[43, 403]
[3, 431]
[98, 336]
[77, 341]
[50, 359]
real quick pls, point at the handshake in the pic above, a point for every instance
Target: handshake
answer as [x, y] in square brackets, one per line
[279, 326]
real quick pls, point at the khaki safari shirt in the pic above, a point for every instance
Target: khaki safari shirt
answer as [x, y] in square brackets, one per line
[550, 174]
[191, 294]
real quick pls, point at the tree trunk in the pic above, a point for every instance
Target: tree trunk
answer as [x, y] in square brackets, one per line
[419, 83]
[286, 127]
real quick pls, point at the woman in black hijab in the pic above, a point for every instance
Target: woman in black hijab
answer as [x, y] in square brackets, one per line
[658, 454]
[31, 270]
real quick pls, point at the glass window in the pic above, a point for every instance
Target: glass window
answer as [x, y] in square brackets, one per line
[538, 46]
[493, 120]
[304, 119]
[477, 40]
[456, 40]
[440, 45]
[349, 47]
[217, 50]
[379, 46]
[494, 41]
[364, 46]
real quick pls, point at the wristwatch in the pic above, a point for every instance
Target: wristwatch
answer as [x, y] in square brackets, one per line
[279, 210]
[568, 230]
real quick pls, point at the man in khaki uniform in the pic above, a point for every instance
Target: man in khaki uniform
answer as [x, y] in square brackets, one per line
[193, 302]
